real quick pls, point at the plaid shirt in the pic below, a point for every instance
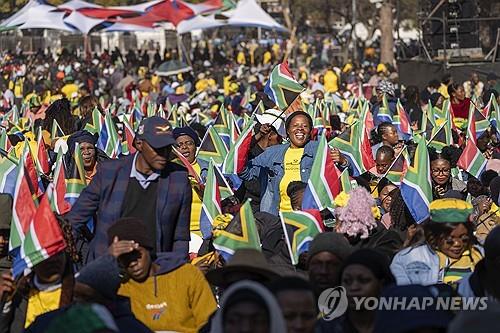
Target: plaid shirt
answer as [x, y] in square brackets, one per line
[105, 194]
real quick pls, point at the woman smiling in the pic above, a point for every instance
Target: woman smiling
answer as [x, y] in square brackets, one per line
[279, 165]
[448, 251]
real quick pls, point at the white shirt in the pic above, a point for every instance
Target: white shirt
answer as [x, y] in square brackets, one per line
[143, 180]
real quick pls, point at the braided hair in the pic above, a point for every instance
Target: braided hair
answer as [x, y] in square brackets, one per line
[60, 111]
[381, 129]
[400, 215]
[449, 153]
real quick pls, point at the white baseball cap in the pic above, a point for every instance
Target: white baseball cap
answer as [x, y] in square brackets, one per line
[274, 117]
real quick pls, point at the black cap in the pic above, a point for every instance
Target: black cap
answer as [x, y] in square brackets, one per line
[186, 130]
[156, 131]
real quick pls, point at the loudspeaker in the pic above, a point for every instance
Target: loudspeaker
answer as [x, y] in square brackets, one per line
[459, 33]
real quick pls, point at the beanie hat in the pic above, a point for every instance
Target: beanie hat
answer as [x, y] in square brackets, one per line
[450, 211]
[131, 228]
[102, 275]
[186, 130]
[375, 261]
[331, 242]
[83, 318]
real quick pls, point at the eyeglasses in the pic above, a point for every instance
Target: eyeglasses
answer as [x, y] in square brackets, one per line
[441, 171]
[452, 240]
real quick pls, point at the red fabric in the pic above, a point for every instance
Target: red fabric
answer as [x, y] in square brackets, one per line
[461, 110]
[47, 229]
[43, 157]
[105, 13]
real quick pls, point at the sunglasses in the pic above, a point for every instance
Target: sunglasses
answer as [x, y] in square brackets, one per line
[452, 240]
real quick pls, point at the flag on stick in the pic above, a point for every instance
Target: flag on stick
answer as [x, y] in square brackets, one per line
[324, 183]
[212, 146]
[416, 188]
[282, 88]
[227, 243]
[42, 238]
[237, 156]
[472, 160]
[211, 206]
[300, 228]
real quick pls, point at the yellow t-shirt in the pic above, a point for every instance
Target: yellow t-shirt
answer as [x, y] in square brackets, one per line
[443, 90]
[179, 301]
[196, 206]
[69, 89]
[331, 82]
[292, 173]
[41, 302]
[267, 57]
[240, 58]
[201, 85]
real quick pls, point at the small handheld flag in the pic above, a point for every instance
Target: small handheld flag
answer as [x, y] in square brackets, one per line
[416, 188]
[282, 88]
[237, 155]
[324, 183]
[227, 243]
[211, 206]
[300, 228]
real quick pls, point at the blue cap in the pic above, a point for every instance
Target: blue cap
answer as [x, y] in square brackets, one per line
[156, 131]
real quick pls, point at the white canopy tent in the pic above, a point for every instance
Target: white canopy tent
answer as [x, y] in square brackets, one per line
[82, 22]
[43, 17]
[126, 27]
[199, 22]
[21, 16]
[249, 14]
[77, 4]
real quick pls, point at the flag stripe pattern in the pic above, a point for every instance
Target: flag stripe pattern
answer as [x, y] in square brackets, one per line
[237, 155]
[211, 206]
[300, 228]
[416, 188]
[227, 243]
[324, 184]
[282, 88]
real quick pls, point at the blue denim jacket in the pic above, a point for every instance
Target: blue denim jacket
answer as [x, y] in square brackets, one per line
[416, 265]
[269, 168]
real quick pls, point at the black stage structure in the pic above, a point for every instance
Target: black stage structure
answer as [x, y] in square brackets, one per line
[456, 37]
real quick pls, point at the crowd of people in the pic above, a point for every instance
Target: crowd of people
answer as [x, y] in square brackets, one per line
[137, 256]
